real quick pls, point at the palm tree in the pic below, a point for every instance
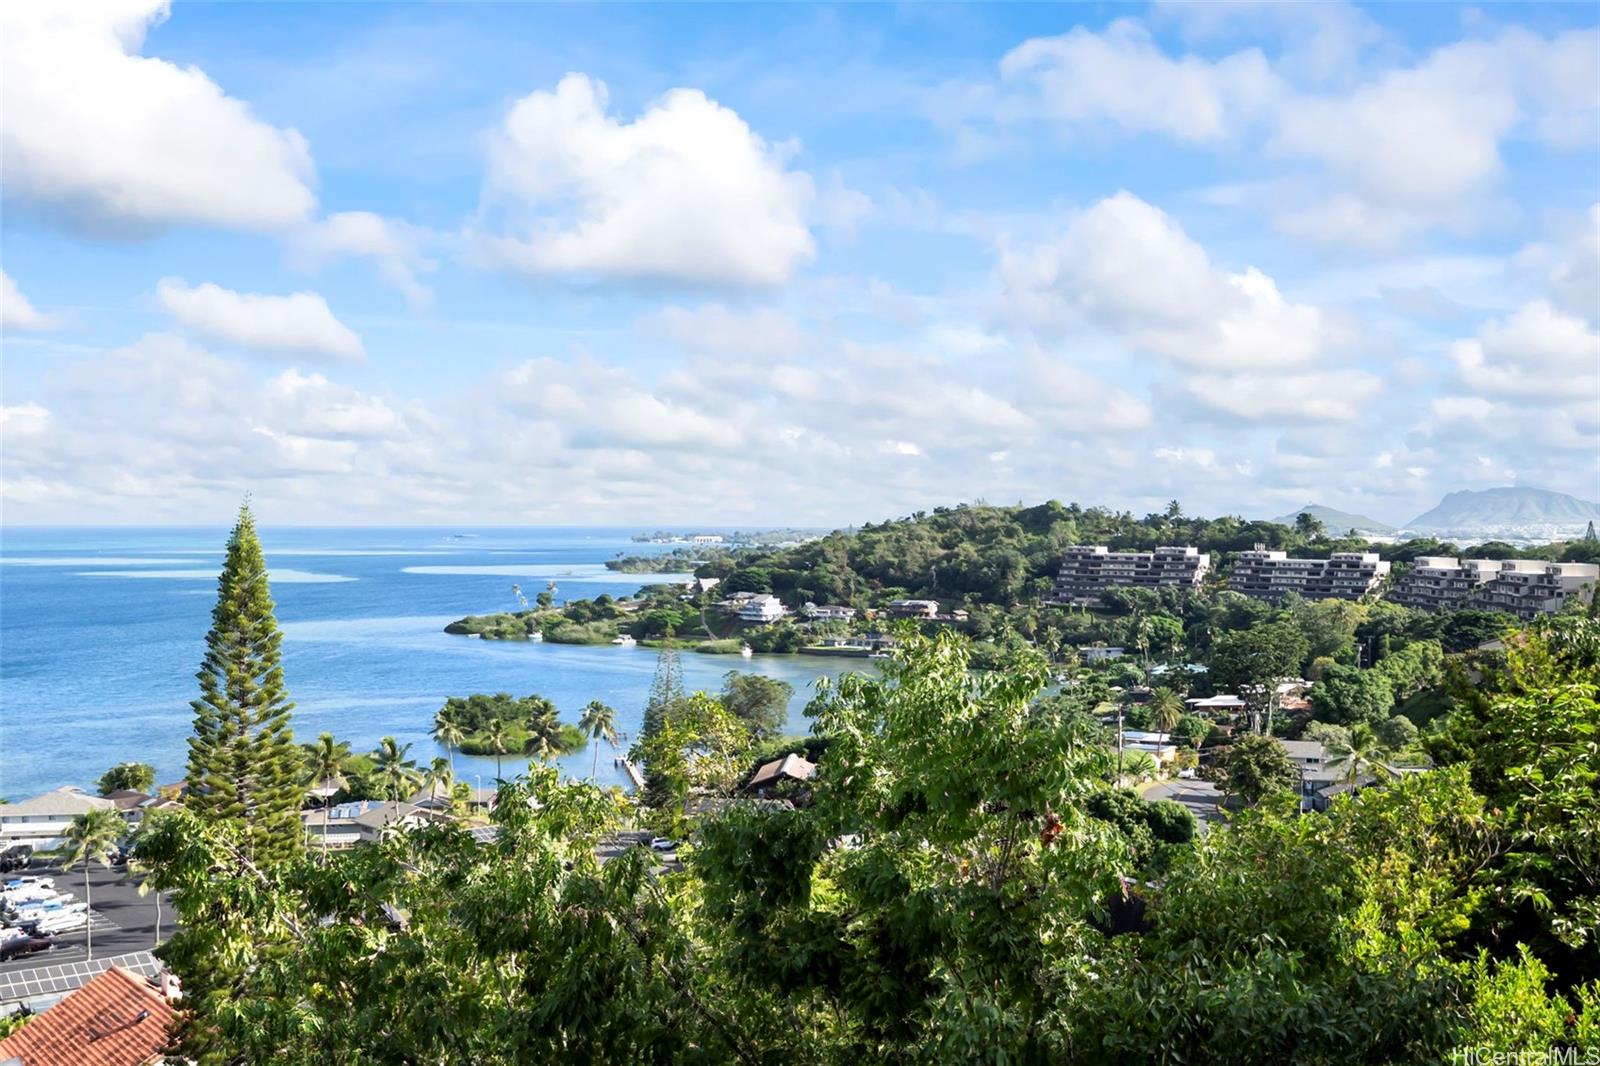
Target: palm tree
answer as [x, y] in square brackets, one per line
[93, 835]
[438, 773]
[538, 745]
[495, 737]
[1364, 753]
[326, 759]
[600, 722]
[1166, 710]
[395, 770]
[1140, 765]
[448, 731]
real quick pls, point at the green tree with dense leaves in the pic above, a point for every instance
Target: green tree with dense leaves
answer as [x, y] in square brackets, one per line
[129, 776]
[92, 837]
[1257, 766]
[243, 763]
[761, 702]
[1347, 696]
[1252, 661]
[598, 722]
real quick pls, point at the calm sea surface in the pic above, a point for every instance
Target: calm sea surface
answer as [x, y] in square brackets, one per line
[101, 631]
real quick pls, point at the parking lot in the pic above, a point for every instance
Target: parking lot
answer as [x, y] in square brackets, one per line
[121, 920]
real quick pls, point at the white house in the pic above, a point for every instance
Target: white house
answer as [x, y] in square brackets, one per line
[360, 822]
[762, 609]
[1098, 654]
[829, 612]
[43, 819]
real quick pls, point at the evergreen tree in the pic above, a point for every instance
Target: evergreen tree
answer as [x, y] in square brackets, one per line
[666, 690]
[243, 763]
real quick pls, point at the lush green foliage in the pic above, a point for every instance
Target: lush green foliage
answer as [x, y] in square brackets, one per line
[761, 702]
[1254, 767]
[134, 776]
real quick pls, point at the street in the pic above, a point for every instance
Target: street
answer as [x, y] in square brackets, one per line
[1201, 797]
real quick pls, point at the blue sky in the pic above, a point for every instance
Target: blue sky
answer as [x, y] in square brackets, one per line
[797, 264]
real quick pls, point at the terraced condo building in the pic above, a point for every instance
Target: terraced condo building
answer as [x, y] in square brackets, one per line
[1271, 575]
[1523, 587]
[1087, 571]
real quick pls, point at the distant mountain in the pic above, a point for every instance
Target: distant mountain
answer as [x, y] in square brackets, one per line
[1336, 521]
[1501, 508]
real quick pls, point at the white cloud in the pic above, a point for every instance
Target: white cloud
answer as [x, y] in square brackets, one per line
[685, 193]
[1538, 353]
[1124, 78]
[1332, 396]
[23, 420]
[110, 137]
[1127, 267]
[587, 404]
[394, 247]
[297, 324]
[16, 312]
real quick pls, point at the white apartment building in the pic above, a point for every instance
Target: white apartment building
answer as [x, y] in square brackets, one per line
[1088, 570]
[1529, 587]
[1523, 587]
[1440, 582]
[1271, 575]
[762, 609]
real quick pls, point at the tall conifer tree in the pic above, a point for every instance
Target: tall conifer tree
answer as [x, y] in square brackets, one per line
[666, 689]
[243, 763]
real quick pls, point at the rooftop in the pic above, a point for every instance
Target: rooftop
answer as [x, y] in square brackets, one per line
[117, 1019]
[61, 801]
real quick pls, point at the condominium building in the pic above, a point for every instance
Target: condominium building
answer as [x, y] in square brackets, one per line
[1087, 571]
[1523, 587]
[1440, 582]
[1271, 575]
[1529, 587]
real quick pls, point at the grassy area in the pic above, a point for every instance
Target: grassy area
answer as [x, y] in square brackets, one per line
[728, 646]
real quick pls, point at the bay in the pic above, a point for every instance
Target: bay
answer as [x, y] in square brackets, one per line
[102, 630]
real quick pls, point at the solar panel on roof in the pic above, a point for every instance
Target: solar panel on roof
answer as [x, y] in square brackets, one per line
[46, 980]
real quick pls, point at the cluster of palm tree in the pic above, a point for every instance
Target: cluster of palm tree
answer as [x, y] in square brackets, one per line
[541, 729]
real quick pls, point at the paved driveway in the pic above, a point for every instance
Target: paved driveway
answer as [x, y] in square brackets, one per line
[123, 920]
[1201, 797]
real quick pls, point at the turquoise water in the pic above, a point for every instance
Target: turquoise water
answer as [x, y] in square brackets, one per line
[101, 631]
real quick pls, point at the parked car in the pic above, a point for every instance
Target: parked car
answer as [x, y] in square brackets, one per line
[61, 922]
[32, 945]
[663, 844]
[16, 857]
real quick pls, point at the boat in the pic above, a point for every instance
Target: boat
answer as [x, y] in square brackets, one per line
[537, 636]
[626, 640]
[746, 650]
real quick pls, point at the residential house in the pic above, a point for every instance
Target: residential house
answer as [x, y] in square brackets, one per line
[117, 1018]
[43, 819]
[828, 612]
[1088, 571]
[1089, 654]
[1271, 575]
[791, 767]
[360, 822]
[914, 608]
[762, 609]
[1222, 703]
[1158, 744]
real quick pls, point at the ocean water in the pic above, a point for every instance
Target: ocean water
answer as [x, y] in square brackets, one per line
[102, 630]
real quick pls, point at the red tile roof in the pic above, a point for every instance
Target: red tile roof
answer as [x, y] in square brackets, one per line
[117, 1019]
